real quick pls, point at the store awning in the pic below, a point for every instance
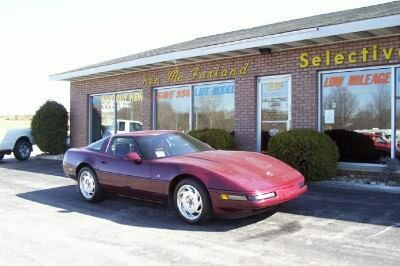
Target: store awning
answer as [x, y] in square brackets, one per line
[361, 23]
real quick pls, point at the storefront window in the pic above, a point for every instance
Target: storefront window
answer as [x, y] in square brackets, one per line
[356, 113]
[102, 117]
[115, 113]
[173, 108]
[214, 106]
[129, 111]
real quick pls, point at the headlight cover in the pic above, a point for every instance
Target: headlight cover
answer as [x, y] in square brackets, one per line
[262, 196]
[257, 197]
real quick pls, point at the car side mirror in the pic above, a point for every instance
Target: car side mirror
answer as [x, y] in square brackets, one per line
[134, 156]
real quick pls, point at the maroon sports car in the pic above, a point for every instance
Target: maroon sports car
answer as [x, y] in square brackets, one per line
[171, 167]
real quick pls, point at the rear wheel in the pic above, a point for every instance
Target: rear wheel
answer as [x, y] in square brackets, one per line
[22, 150]
[89, 186]
[192, 201]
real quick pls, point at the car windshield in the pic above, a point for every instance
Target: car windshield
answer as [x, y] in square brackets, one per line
[169, 144]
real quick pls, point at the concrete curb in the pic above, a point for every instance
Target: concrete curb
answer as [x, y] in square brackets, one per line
[358, 186]
[58, 157]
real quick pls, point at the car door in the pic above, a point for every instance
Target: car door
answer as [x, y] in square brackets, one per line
[122, 175]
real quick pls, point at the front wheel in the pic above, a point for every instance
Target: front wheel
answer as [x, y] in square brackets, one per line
[89, 186]
[192, 201]
[22, 150]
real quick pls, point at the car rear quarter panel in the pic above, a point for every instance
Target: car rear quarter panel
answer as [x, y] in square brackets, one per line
[75, 157]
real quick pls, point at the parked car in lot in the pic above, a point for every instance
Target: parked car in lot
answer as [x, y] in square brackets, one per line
[123, 126]
[129, 126]
[383, 145]
[171, 167]
[18, 141]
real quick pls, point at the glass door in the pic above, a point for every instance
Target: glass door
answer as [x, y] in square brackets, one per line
[274, 108]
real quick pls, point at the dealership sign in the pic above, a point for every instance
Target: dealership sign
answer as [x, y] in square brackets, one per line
[196, 74]
[203, 90]
[357, 79]
[365, 54]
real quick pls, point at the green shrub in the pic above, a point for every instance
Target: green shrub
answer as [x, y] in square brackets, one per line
[216, 138]
[50, 127]
[313, 154]
[353, 146]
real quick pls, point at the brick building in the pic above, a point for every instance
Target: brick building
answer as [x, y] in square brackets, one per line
[331, 71]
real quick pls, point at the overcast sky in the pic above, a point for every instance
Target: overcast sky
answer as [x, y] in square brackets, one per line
[43, 37]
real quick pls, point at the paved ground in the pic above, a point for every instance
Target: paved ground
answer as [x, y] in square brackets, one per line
[43, 221]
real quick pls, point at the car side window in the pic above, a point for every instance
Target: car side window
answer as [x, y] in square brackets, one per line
[121, 146]
[133, 126]
[97, 146]
[121, 126]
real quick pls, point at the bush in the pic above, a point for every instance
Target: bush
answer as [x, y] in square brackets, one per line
[353, 146]
[50, 127]
[216, 138]
[313, 154]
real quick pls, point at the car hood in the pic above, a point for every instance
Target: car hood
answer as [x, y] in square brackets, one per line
[247, 171]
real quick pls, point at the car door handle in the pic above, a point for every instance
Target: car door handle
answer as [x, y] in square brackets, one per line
[103, 162]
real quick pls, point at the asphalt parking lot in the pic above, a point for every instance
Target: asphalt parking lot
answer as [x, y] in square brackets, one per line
[43, 221]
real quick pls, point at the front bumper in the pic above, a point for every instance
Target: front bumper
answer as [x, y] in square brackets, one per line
[239, 208]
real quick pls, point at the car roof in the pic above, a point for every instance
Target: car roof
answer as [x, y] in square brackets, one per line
[146, 133]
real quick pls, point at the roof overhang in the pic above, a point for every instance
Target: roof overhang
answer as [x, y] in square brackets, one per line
[369, 28]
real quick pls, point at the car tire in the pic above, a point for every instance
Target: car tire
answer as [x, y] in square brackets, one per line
[88, 185]
[192, 201]
[1, 156]
[22, 150]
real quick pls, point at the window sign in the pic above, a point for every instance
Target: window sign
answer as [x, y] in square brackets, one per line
[115, 113]
[274, 100]
[173, 108]
[214, 106]
[102, 116]
[329, 116]
[129, 110]
[360, 100]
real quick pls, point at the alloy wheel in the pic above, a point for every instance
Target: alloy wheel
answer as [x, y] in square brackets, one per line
[87, 184]
[24, 150]
[189, 202]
